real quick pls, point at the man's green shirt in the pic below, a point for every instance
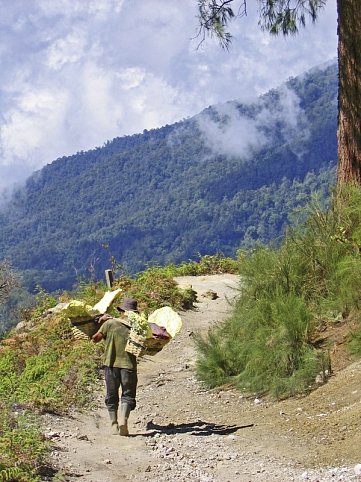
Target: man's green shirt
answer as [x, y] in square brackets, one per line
[116, 334]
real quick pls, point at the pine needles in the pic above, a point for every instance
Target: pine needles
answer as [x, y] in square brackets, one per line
[266, 346]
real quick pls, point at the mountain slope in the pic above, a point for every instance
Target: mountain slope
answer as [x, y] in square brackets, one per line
[220, 180]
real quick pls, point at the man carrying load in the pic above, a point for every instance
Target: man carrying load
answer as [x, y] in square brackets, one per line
[120, 367]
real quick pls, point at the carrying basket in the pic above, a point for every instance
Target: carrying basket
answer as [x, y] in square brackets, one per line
[85, 325]
[139, 345]
[78, 335]
[155, 345]
[136, 344]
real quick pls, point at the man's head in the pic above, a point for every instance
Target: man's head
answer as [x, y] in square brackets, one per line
[129, 304]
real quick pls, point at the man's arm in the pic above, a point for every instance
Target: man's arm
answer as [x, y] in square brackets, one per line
[97, 337]
[101, 334]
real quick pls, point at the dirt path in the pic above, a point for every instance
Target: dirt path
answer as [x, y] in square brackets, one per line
[182, 432]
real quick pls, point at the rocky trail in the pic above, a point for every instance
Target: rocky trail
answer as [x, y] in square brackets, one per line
[181, 431]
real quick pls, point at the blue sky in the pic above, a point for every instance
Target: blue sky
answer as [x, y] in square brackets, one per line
[76, 73]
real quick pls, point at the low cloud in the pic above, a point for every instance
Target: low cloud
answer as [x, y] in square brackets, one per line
[34, 117]
[228, 131]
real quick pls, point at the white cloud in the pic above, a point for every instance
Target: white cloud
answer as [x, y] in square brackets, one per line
[74, 8]
[76, 73]
[131, 77]
[66, 50]
[229, 132]
[33, 119]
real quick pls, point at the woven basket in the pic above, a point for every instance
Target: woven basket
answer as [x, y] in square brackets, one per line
[88, 326]
[155, 345]
[79, 335]
[135, 344]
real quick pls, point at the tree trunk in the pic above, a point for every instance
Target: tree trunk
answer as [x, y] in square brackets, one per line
[349, 96]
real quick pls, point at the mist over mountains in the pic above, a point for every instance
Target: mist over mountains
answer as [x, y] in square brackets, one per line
[223, 179]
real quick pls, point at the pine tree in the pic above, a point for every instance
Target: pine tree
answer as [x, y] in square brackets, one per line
[285, 17]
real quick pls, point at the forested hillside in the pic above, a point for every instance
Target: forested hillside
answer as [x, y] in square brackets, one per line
[221, 180]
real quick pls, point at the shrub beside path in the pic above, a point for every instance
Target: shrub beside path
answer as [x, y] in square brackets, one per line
[181, 431]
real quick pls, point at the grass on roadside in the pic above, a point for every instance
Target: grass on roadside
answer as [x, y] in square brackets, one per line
[266, 346]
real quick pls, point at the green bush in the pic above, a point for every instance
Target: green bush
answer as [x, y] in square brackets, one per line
[354, 341]
[263, 347]
[155, 288]
[44, 369]
[23, 450]
[206, 265]
[8, 375]
[266, 345]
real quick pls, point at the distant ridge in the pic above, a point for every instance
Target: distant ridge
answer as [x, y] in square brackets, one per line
[226, 178]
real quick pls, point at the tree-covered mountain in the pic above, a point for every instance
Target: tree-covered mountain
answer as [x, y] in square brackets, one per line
[218, 181]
